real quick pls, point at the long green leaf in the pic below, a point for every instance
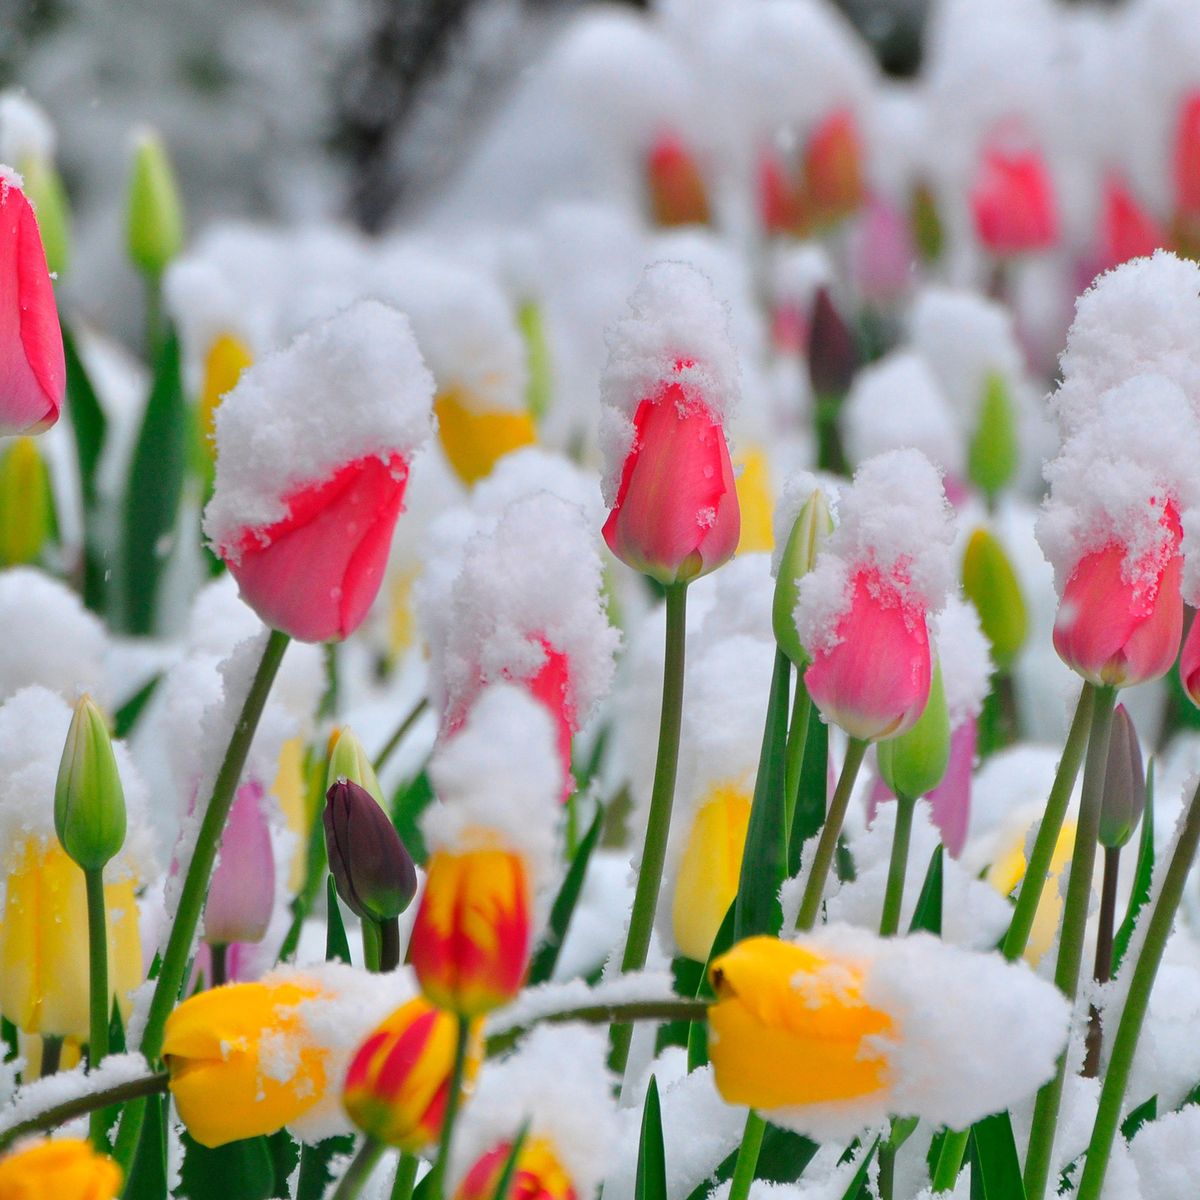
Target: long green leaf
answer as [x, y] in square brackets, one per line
[697, 1045]
[650, 1182]
[148, 1173]
[812, 799]
[407, 806]
[927, 915]
[782, 1158]
[858, 1185]
[206, 1173]
[995, 1165]
[1143, 875]
[315, 1175]
[546, 956]
[505, 1178]
[1146, 1111]
[337, 945]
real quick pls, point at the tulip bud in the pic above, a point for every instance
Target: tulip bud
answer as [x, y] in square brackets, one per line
[914, 763]
[241, 896]
[832, 356]
[373, 871]
[62, 1168]
[89, 802]
[1124, 798]
[833, 178]
[399, 1080]
[44, 187]
[926, 223]
[26, 503]
[348, 760]
[228, 357]
[990, 583]
[677, 192]
[538, 1174]
[812, 526]
[154, 219]
[993, 453]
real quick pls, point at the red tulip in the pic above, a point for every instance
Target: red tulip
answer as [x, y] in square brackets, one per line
[677, 192]
[33, 376]
[1012, 201]
[1186, 157]
[1127, 230]
[833, 180]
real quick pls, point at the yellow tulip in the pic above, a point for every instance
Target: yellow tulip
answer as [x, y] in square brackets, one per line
[63, 1169]
[753, 484]
[44, 943]
[228, 357]
[475, 441]
[1008, 869]
[790, 1027]
[709, 869]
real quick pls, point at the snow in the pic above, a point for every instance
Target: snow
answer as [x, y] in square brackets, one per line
[964, 655]
[34, 1098]
[794, 495]
[1166, 1153]
[26, 130]
[547, 999]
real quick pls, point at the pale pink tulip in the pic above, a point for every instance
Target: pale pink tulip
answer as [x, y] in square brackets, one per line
[241, 896]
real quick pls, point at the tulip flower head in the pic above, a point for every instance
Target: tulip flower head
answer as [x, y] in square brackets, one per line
[669, 388]
[863, 610]
[33, 375]
[59, 1169]
[1124, 797]
[241, 895]
[1013, 202]
[802, 523]
[313, 448]
[1186, 158]
[833, 173]
[1127, 230]
[675, 183]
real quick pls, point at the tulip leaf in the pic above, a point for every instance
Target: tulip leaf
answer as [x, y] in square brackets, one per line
[811, 800]
[764, 860]
[858, 1185]
[545, 958]
[154, 490]
[148, 1173]
[407, 806]
[927, 915]
[650, 1182]
[126, 717]
[1146, 1111]
[995, 1165]
[315, 1175]
[206, 1173]
[504, 1181]
[697, 1044]
[783, 1157]
[337, 946]
[1142, 876]
[8, 1038]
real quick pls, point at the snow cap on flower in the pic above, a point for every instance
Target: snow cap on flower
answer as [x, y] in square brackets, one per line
[795, 495]
[963, 653]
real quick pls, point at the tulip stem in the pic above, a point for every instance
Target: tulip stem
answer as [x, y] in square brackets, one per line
[949, 1163]
[98, 992]
[370, 944]
[672, 1009]
[893, 897]
[747, 1157]
[797, 742]
[196, 880]
[359, 1170]
[814, 889]
[1102, 971]
[1039, 1158]
[438, 1181]
[1036, 872]
[662, 796]
[52, 1046]
[406, 1176]
[1141, 982]
[389, 944]
[218, 954]
[414, 715]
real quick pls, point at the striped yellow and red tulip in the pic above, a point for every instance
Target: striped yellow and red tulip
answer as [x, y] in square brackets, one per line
[538, 1174]
[833, 174]
[398, 1084]
[59, 1169]
[471, 941]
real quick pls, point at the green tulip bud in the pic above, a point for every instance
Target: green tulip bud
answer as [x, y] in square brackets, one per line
[89, 801]
[348, 760]
[26, 503]
[1124, 798]
[993, 453]
[812, 526]
[926, 223]
[44, 190]
[155, 215]
[537, 355]
[990, 583]
[913, 763]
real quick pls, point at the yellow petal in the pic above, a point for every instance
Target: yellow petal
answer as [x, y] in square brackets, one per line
[227, 358]
[290, 790]
[753, 483]
[61, 1169]
[475, 441]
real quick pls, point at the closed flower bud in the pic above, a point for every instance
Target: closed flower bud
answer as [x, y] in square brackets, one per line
[89, 801]
[1012, 202]
[26, 503]
[990, 583]
[914, 763]
[471, 941]
[348, 760]
[537, 1174]
[833, 176]
[993, 453]
[59, 1169]
[812, 526]
[677, 192]
[373, 871]
[1124, 798]
[926, 223]
[398, 1083]
[241, 896]
[832, 355]
[44, 187]
[154, 218]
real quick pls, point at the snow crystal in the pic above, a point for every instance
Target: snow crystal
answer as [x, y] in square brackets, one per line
[678, 332]
[964, 655]
[34, 1098]
[351, 387]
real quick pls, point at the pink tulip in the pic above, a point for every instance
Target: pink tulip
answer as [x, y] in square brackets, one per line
[241, 896]
[1117, 630]
[33, 376]
[676, 515]
[1127, 231]
[781, 208]
[1012, 201]
[1189, 664]
[874, 680]
[314, 574]
[883, 253]
[1186, 157]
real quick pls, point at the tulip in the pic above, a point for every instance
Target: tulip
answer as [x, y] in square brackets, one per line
[349, 760]
[1189, 664]
[832, 355]
[1186, 157]
[1124, 797]
[676, 514]
[755, 501]
[833, 180]
[925, 222]
[228, 357]
[474, 441]
[990, 583]
[914, 762]
[1127, 230]
[1118, 631]
[780, 201]
[89, 801]
[33, 374]
[812, 526]
[241, 895]
[993, 453]
[154, 218]
[677, 192]
[1008, 869]
[874, 681]
[950, 801]
[883, 253]
[537, 1174]
[59, 1169]
[27, 520]
[226, 1086]
[1012, 201]
[398, 1084]
[472, 937]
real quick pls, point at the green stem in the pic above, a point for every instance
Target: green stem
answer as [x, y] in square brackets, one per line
[797, 742]
[371, 945]
[1040, 856]
[98, 993]
[950, 1160]
[1141, 982]
[438, 1175]
[154, 318]
[893, 897]
[219, 956]
[1102, 971]
[662, 796]
[52, 1046]
[359, 1170]
[414, 715]
[747, 1157]
[389, 944]
[675, 1009]
[196, 880]
[406, 1176]
[814, 889]
[1070, 946]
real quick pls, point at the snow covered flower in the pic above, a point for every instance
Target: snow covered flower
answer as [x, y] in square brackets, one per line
[241, 894]
[33, 375]
[59, 1169]
[491, 840]
[399, 1079]
[669, 388]
[863, 609]
[675, 183]
[1012, 201]
[840, 1030]
[833, 173]
[313, 448]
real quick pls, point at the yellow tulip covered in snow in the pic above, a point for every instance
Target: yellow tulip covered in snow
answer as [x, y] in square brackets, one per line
[63, 1169]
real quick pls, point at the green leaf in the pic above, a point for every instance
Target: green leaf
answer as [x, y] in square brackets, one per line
[1146, 1111]
[207, 1173]
[336, 944]
[995, 1166]
[315, 1175]
[650, 1182]
[697, 1045]
[153, 491]
[764, 861]
[546, 956]
[782, 1158]
[812, 798]
[1142, 877]
[858, 1185]
[148, 1173]
[407, 806]
[504, 1181]
[126, 717]
[928, 913]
